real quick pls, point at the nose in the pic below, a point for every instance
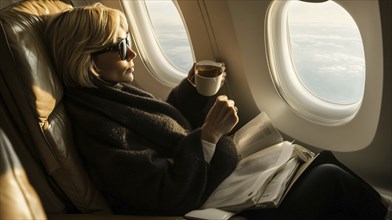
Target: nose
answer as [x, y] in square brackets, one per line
[130, 54]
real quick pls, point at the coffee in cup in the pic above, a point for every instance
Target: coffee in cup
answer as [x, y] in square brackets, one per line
[208, 77]
[208, 70]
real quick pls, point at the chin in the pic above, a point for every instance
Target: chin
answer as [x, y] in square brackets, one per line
[129, 78]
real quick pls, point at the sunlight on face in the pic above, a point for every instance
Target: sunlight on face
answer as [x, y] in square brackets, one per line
[110, 66]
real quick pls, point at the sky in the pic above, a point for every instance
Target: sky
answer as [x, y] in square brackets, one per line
[171, 33]
[327, 51]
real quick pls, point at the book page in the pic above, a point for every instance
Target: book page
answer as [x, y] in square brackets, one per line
[299, 172]
[273, 194]
[257, 134]
[266, 170]
[245, 185]
[284, 179]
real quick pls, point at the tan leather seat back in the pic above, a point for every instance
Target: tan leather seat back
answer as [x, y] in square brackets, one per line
[36, 93]
[18, 198]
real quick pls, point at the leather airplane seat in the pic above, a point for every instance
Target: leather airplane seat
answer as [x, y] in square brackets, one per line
[18, 199]
[33, 94]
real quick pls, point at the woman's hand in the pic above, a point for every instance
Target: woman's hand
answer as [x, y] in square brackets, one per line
[220, 120]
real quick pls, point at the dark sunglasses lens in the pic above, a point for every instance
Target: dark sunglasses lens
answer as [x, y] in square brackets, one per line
[122, 49]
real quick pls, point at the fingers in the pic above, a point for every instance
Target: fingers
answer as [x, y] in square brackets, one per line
[221, 119]
[224, 112]
[224, 103]
[224, 74]
[223, 67]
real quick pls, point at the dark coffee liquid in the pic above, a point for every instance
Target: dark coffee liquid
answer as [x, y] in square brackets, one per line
[208, 70]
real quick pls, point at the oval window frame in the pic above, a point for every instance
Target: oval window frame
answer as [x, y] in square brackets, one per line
[155, 60]
[285, 78]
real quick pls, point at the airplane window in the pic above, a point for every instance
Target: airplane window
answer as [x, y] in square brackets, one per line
[170, 32]
[322, 52]
[327, 51]
[161, 38]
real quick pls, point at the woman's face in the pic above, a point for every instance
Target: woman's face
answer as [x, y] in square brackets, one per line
[112, 68]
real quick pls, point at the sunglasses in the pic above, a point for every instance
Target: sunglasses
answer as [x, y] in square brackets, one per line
[121, 47]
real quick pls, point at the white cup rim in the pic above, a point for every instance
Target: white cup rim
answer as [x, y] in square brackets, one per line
[209, 62]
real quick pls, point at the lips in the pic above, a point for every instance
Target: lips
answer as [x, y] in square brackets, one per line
[129, 70]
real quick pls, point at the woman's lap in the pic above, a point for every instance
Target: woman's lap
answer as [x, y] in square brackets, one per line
[327, 190]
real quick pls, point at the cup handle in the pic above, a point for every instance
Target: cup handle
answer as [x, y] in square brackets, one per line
[191, 80]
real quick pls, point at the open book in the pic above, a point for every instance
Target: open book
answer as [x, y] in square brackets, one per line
[267, 167]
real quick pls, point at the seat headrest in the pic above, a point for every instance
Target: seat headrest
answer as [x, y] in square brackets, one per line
[27, 73]
[25, 23]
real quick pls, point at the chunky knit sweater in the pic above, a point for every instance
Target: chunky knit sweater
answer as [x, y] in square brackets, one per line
[145, 155]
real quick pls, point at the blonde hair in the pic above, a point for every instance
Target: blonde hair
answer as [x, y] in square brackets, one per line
[75, 34]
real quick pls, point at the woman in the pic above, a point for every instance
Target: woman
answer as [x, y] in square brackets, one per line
[145, 155]
[153, 157]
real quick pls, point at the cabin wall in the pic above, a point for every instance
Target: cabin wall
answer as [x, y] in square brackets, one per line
[377, 168]
[240, 25]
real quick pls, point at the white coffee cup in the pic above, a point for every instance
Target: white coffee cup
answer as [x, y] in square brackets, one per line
[208, 77]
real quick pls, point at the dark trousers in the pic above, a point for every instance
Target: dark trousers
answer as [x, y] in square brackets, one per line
[326, 190]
